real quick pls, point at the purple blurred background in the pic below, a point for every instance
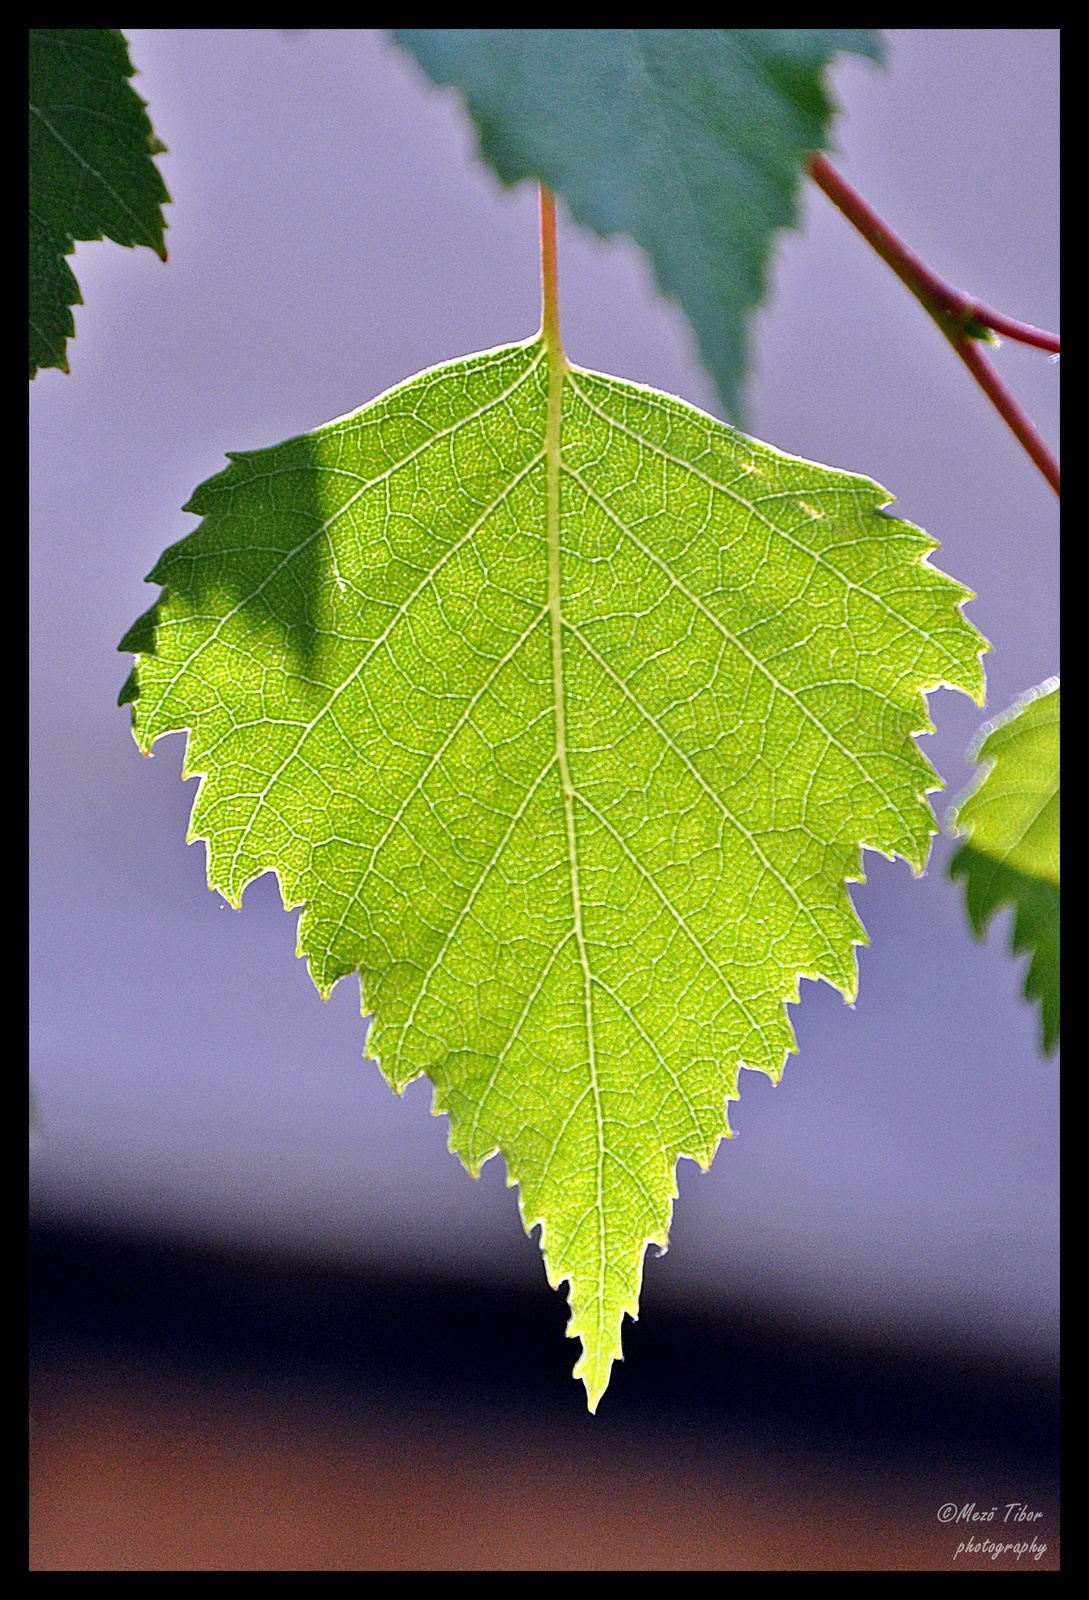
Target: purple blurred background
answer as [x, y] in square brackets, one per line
[332, 233]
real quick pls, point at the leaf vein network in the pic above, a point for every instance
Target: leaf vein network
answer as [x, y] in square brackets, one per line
[716, 799]
[400, 612]
[772, 527]
[478, 885]
[761, 666]
[341, 511]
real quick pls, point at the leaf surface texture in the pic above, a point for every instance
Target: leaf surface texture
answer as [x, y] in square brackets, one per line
[575, 781]
[91, 171]
[1010, 818]
[692, 141]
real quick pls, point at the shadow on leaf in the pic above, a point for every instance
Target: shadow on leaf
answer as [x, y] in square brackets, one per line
[263, 549]
[989, 885]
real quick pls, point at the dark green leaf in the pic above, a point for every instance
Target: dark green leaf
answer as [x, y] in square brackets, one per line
[91, 172]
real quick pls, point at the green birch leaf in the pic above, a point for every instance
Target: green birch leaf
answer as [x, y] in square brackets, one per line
[562, 710]
[91, 172]
[692, 141]
[1010, 819]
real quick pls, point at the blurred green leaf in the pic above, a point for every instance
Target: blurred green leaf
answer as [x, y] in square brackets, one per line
[693, 141]
[1010, 818]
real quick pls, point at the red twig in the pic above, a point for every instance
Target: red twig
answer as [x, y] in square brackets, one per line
[960, 317]
[924, 283]
[1007, 407]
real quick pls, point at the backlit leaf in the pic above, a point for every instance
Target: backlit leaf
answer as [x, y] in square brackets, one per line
[563, 713]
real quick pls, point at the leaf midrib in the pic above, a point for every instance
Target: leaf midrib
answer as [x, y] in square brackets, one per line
[558, 370]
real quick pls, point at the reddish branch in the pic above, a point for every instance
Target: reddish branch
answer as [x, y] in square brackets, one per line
[962, 319]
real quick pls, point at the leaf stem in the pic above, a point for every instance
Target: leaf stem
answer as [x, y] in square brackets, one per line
[963, 319]
[550, 286]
